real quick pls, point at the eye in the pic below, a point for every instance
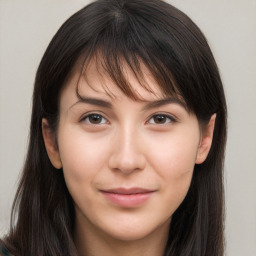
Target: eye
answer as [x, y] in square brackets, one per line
[161, 119]
[94, 119]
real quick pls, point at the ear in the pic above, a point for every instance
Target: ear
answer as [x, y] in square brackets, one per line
[50, 145]
[206, 140]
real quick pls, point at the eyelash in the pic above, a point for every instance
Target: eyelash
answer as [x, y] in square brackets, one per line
[91, 115]
[165, 116]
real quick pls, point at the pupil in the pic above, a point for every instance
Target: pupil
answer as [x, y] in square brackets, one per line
[160, 119]
[96, 119]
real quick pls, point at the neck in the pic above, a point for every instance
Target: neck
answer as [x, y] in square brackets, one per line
[91, 242]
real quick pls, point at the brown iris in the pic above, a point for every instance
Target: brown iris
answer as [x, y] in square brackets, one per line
[95, 119]
[160, 119]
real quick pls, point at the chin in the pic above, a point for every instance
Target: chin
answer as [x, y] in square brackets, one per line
[136, 231]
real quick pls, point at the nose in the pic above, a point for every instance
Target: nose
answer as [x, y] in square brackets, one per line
[127, 155]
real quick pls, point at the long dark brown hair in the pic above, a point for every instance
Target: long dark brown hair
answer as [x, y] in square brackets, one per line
[177, 54]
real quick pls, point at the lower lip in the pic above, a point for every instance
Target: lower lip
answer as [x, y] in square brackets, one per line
[131, 200]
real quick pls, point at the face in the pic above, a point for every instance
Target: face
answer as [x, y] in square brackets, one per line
[127, 164]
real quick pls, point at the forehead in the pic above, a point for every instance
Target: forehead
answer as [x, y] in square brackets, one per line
[94, 78]
[142, 86]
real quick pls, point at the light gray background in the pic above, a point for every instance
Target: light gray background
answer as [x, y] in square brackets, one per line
[26, 27]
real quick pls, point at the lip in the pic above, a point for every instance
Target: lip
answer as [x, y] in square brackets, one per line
[128, 197]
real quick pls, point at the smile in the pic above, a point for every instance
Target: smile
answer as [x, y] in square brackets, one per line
[128, 197]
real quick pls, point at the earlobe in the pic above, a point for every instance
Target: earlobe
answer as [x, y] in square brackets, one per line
[50, 145]
[206, 141]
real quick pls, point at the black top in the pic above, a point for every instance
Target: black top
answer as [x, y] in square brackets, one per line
[3, 250]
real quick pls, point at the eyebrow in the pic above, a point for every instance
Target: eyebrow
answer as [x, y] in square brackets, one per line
[162, 102]
[93, 101]
[148, 106]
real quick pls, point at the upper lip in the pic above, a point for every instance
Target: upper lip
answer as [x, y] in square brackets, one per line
[128, 191]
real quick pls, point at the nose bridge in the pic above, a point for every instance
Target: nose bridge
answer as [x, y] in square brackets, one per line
[127, 155]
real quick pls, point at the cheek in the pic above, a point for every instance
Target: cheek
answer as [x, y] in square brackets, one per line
[175, 156]
[82, 157]
[173, 159]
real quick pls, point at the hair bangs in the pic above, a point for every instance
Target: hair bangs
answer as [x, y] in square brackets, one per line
[113, 58]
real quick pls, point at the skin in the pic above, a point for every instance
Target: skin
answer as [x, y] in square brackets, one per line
[127, 148]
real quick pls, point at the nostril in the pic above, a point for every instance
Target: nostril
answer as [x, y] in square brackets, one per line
[127, 163]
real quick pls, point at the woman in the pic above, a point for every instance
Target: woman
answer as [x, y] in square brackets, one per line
[127, 139]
